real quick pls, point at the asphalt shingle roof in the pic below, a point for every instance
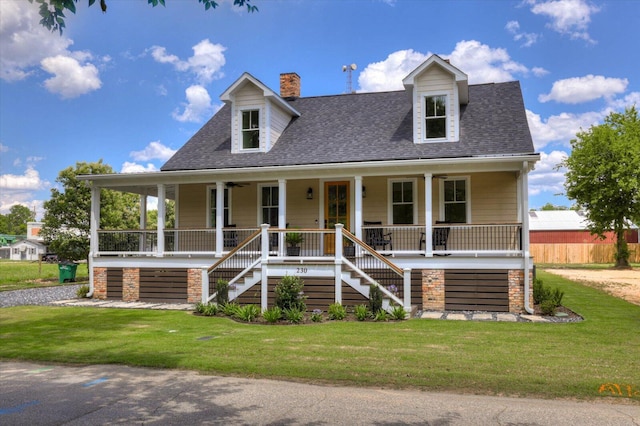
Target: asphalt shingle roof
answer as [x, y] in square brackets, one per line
[367, 127]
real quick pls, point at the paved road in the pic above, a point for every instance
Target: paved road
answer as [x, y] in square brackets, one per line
[38, 394]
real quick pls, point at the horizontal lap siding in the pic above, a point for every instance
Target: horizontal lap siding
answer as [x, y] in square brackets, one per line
[468, 290]
[114, 283]
[163, 285]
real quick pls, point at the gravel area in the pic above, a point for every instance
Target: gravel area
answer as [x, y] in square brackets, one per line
[37, 296]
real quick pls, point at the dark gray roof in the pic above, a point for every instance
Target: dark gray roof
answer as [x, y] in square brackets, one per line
[367, 127]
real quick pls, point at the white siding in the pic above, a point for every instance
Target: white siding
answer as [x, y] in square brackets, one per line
[249, 97]
[434, 81]
[279, 121]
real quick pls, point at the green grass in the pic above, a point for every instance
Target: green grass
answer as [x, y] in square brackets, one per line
[580, 265]
[570, 360]
[17, 275]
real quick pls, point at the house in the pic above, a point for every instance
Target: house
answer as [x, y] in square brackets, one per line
[422, 192]
[30, 248]
[562, 236]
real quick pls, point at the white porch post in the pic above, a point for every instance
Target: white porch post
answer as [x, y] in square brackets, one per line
[524, 200]
[282, 213]
[264, 284]
[338, 263]
[358, 207]
[205, 285]
[94, 244]
[219, 217]
[406, 290]
[143, 220]
[161, 215]
[428, 214]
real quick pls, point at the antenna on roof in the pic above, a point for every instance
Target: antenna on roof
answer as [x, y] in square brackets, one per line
[348, 69]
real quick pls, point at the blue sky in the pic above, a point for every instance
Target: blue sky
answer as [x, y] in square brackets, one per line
[132, 85]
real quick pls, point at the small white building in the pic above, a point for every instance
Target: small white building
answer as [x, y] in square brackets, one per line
[27, 250]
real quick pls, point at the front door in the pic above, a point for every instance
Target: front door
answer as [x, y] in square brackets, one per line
[336, 210]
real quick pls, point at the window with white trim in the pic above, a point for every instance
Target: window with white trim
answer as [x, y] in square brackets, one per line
[213, 199]
[435, 119]
[250, 129]
[454, 198]
[403, 206]
[269, 198]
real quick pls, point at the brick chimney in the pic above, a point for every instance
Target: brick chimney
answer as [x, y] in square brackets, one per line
[289, 85]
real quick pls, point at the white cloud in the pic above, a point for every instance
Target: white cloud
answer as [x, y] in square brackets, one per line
[629, 100]
[583, 89]
[30, 180]
[70, 78]
[568, 17]
[129, 167]
[528, 39]
[197, 107]
[560, 128]
[480, 62]
[539, 72]
[206, 62]
[3, 148]
[388, 74]
[23, 41]
[153, 151]
[547, 177]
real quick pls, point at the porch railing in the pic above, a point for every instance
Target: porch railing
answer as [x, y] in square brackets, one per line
[463, 239]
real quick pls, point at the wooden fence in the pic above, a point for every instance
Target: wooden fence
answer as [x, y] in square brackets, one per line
[580, 253]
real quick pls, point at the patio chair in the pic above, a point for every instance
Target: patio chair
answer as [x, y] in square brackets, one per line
[439, 237]
[230, 238]
[376, 238]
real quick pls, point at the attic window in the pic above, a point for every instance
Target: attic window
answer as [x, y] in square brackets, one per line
[435, 117]
[251, 129]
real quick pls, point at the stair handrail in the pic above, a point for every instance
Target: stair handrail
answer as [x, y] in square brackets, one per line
[370, 250]
[235, 250]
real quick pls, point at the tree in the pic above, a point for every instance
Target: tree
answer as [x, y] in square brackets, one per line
[170, 216]
[52, 11]
[603, 176]
[15, 222]
[66, 228]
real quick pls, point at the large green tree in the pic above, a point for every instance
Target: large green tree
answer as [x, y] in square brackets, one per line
[15, 222]
[67, 227]
[52, 11]
[603, 176]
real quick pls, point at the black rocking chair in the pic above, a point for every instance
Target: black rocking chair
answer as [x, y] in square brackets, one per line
[376, 238]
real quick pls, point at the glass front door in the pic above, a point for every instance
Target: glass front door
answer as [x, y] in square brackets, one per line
[336, 210]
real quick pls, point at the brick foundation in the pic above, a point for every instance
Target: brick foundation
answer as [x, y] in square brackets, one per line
[194, 285]
[100, 283]
[433, 289]
[516, 291]
[130, 284]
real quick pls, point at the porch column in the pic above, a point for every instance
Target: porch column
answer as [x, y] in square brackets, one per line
[338, 263]
[358, 208]
[524, 191]
[143, 221]
[264, 283]
[161, 215]
[428, 214]
[282, 214]
[219, 217]
[94, 223]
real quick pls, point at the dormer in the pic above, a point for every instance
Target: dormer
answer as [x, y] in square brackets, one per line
[437, 90]
[258, 114]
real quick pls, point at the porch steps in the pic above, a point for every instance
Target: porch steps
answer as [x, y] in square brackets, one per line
[364, 289]
[244, 284]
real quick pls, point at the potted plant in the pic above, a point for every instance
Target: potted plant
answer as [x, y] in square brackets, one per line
[293, 239]
[348, 249]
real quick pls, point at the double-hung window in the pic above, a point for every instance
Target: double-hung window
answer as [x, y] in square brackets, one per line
[435, 123]
[251, 129]
[269, 205]
[213, 200]
[403, 205]
[455, 200]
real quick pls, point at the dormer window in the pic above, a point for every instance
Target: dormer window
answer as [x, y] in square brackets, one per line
[435, 117]
[251, 129]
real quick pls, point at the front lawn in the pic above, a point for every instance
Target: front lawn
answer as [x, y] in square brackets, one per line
[570, 360]
[17, 275]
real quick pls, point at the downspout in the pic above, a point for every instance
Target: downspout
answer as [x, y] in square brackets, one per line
[525, 234]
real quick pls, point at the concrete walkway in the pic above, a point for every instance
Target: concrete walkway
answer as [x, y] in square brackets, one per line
[436, 315]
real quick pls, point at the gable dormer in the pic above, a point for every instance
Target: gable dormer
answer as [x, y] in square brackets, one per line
[437, 90]
[258, 115]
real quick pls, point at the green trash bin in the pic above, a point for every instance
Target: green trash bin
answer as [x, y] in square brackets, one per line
[67, 271]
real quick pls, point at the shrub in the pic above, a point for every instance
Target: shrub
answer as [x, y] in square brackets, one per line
[230, 309]
[294, 315]
[398, 313]
[375, 299]
[381, 315]
[208, 309]
[337, 312]
[316, 315]
[272, 315]
[540, 294]
[248, 313]
[556, 297]
[222, 292]
[544, 296]
[82, 292]
[361, 312]
[289, 293]
[548, 307]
